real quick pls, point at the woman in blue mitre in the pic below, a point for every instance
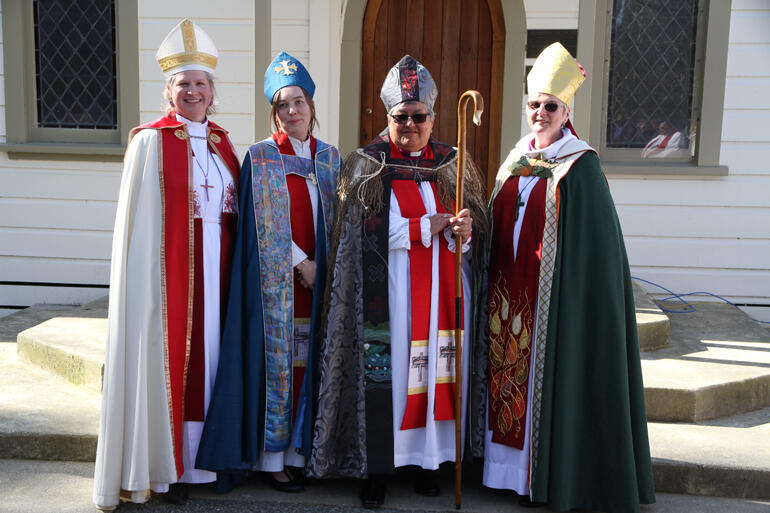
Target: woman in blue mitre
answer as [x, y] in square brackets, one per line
[261, 415]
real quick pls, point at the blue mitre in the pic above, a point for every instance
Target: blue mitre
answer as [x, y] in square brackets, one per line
[284, 71]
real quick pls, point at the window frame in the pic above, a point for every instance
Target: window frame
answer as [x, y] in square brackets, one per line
[24, 139]
[594, 20]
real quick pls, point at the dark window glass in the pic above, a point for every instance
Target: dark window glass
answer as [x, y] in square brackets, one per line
[75, 64]
[652, 60]
[539, 39]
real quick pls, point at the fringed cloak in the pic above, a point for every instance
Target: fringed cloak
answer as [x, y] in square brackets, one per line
[357, 301]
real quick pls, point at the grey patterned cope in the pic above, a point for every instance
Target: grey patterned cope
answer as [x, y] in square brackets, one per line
[339, 438]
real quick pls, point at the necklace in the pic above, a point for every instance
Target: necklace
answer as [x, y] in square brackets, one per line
[205, 185]
[519, 202]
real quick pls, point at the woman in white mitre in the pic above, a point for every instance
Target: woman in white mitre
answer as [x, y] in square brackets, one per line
[172, 249]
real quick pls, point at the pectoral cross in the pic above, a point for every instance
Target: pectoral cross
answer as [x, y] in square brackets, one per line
[448, 352]
[519, 204]
[420, 362]
[206, 187]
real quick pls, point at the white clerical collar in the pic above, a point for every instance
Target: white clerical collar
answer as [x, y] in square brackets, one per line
[193, 127]
[526, 145]
[301, 148]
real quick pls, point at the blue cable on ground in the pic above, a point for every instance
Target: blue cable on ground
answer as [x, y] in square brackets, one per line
[687, 307]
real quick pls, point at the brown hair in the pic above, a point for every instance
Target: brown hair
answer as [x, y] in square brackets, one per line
[274, 113]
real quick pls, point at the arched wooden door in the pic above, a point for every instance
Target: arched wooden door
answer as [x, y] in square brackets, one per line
[461, 42]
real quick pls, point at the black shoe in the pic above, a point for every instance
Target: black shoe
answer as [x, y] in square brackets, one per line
[526, 502]
[290, 486]
[372, 493]
[426, 483]
[177, 494]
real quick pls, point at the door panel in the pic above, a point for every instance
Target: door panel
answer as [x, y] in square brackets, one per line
[460, 43]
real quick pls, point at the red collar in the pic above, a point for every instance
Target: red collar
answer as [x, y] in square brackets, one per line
[398, 153]
[284, 144]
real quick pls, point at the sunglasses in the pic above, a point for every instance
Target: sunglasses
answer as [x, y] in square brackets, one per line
[550, 107]
[403, 118]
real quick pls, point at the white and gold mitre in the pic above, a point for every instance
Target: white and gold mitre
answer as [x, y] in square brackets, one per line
[187, 47]
[555, 72]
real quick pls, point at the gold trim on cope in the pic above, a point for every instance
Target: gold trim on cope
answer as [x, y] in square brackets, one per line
[214, 138]
[164, 292]
[181, 134]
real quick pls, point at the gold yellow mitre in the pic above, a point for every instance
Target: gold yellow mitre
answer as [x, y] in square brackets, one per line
[187, 47]
[555, 72]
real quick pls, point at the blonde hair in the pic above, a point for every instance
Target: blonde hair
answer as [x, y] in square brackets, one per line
[167, 106]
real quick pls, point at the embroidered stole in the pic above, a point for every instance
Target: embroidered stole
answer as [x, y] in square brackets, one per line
[273, 214]
[512, 303]
[420, 273]
[303, 235]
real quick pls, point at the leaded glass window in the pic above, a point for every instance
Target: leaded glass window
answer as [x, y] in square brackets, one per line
[75, 63]
[651, 74]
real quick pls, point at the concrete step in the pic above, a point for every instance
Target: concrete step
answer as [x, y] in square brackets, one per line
[729, 457]
[70, 346]
[42, 416]
[717, 364]
[652, 323]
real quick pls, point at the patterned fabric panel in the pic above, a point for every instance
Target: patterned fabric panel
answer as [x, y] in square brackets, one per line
[339, 439]
[327, 166]
[545, 282]
[273, 223]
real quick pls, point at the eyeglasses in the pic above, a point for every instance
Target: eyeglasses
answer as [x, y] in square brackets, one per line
[416, 118]
[550, 107]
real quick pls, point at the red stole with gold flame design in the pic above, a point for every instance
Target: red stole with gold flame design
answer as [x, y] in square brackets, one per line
[512, 301]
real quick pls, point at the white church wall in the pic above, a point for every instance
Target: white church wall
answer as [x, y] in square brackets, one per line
[56, 217]
[713, 234]
[688, 234]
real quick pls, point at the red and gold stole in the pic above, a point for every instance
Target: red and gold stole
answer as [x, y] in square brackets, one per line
[420, 274]
[512, 302]
[303, 235]
[179, 256]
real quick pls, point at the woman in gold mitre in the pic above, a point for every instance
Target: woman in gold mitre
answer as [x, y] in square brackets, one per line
[566, 420]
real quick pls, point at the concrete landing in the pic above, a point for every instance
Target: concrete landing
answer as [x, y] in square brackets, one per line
[717, 364]
[729, 457]
[42, 416]
[12, 325]
[70, 346]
